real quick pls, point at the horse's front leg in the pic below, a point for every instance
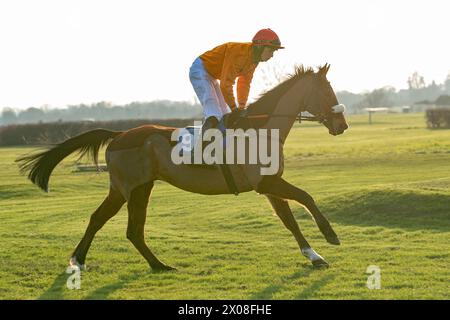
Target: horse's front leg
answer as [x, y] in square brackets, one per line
[276, 186]
[283, 211]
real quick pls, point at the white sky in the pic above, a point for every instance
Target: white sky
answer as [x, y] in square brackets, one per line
[61, 52]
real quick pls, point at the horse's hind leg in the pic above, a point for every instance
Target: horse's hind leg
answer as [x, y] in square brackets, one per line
[110, 206]
[137, 212]
[283, 211]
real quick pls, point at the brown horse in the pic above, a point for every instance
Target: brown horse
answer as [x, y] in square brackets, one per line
[138, 157]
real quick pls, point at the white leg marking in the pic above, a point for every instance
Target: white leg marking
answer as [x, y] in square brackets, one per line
[73, 262]
[311, 254]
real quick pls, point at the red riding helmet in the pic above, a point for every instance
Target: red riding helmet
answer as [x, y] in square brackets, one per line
[266, 37]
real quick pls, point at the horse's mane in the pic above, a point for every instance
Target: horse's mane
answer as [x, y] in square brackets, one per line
[268, 100]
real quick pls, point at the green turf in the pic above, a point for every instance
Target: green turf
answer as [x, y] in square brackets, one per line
[385, 188]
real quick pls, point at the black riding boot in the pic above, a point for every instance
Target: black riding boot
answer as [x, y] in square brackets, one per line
[210, 123]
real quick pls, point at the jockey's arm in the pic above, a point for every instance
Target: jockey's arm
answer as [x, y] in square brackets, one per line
[243, 88]
[227, 81]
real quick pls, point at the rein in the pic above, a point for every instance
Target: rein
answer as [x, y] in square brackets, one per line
[339, 108]
[298, 117]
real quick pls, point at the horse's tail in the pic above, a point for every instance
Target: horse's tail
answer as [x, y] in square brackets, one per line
[40, 165]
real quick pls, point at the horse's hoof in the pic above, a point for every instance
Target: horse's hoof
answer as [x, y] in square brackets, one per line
[333, 239]
[329, 233]
[316, 259]
[163, 267]
[73, 262]
[320, 264]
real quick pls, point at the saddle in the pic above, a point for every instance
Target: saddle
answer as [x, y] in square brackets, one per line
[191, 136]
[194, 134]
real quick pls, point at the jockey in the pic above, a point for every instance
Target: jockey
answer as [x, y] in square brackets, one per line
[227, 62]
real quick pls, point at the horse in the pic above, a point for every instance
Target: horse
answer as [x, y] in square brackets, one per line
[136, 158]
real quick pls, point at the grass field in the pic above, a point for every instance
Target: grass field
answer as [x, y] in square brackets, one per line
[385, 188]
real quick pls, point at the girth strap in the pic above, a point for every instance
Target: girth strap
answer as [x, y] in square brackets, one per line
[226, 172]
[229, 178]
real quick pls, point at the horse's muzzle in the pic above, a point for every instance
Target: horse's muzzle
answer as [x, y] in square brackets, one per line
[338, 128]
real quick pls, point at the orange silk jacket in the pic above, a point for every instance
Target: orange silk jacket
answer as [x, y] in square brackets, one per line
[227, 62]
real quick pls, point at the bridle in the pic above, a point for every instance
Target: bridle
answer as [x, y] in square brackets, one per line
[324, 115]
[320, 118]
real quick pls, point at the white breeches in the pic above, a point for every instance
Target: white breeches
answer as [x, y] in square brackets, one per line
[208, 91]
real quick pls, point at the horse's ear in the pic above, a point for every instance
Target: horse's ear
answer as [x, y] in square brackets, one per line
[326, 67]
[323, 71]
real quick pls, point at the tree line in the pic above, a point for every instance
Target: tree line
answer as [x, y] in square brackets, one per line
[418, 92]
[103, 111]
